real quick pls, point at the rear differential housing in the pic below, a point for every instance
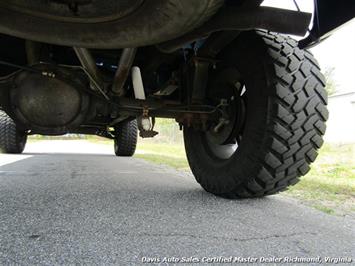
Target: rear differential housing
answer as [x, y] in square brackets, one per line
[50, 101]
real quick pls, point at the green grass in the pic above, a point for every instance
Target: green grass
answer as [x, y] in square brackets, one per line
[178, 163]
[328, 187]
[324, 209]
[166, 154]
[156, 152]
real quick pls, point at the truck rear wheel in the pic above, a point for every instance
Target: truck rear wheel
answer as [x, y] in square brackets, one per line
[12, 140]
[277, 118]
[126, 139]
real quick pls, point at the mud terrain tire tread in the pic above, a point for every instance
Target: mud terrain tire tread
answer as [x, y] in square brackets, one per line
[126, 139]
[294, 126]
[10, 138]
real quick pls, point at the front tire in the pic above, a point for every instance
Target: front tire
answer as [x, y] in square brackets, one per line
[12, 140]
[283, 121]
[125, 142]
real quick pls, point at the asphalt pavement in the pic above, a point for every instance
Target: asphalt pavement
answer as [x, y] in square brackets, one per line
[74, 202]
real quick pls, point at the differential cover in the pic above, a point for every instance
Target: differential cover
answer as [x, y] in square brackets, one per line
[47, 105]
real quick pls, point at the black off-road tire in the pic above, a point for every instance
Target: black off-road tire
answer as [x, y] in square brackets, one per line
[125, 142]
[11, 139]
[285, 122]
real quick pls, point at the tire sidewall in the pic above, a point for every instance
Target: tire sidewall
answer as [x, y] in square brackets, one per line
[249, 56]
[12, 140]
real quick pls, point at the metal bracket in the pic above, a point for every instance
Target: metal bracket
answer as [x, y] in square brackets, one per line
[146, 125]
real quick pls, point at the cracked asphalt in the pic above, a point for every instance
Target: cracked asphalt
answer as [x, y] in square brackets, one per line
[74, 202]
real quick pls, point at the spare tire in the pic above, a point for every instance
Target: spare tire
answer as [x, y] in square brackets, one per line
[100, 24]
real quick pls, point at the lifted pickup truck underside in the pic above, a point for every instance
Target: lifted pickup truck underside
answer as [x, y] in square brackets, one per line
[251, 102]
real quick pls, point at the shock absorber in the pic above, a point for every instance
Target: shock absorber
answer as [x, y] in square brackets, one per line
[145, 124]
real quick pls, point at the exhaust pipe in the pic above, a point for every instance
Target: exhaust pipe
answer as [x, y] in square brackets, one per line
[124, 66]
